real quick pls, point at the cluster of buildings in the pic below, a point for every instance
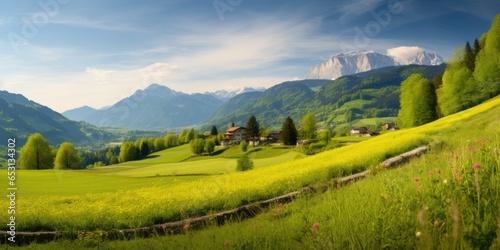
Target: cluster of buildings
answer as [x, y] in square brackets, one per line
[235, 134]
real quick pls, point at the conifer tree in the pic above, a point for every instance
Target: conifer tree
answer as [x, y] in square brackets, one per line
[289, 132]
[469, 57]
[213, 131]
[252, 130]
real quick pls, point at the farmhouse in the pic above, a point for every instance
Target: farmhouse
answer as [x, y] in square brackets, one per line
[274, 136]
[363, 131]
[234, 135]
[390, 126]
[358, 130]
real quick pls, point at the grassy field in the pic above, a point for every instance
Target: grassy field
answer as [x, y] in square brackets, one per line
[447, 199]
[392, 216]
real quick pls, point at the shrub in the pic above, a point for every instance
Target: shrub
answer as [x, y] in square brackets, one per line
[244, 146]
[244, 163]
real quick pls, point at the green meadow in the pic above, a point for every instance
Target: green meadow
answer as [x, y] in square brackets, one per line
[449, 198]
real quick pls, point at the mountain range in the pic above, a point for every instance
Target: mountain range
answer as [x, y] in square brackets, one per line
[369, 94]
[154, 108]
[362, 61]
[20, 117]
[225, 95]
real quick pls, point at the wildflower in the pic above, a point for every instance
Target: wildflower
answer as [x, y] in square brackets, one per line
[457, 176]
[163, 227]
[439, 171]
[226, 243]
[445, 181]
[172, 232]
[315, 227]
[456, 157]
[186, 226]
[278, 209]
[476, 166]
[416, 179]
[418, 234]
[436, 223]
[431, 173]
[280, 205]
[471, 149]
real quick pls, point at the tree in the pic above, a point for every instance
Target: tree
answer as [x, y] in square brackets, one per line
[244, 163]
[289, 132]
[197, 146]
[172, 141]
[67, 157]
[159, 144]
[348, 116]
[213, 131]
[487, 73]
[253, 131]
[244, 146]
[309, 125]
[417, 102]
[111, 158]
[144, 148]
[128, 152]
[437, 82]
[476, 49]
[36, 153]
[191, 135]
[210, 146]
[182, 136]
[325, 135]
[469, 57]
[151, 145]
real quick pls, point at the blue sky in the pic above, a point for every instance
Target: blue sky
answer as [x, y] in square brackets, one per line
[69, 53]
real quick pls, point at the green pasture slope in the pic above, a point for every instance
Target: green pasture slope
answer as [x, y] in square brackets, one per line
[447, 199]
[174, 166]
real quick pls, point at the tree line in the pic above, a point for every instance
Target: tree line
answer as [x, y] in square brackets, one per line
[471, 77]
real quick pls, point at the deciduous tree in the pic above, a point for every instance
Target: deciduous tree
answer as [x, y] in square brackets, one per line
[417, 102]
[67, 157]
[36, 153]
[210, 146]
[309, 125]
[197, 146]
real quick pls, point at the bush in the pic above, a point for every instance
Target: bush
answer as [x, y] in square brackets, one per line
[244, 146]
[244, 163]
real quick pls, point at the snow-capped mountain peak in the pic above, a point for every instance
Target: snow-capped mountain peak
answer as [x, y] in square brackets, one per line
[225, 95]
[361, 61]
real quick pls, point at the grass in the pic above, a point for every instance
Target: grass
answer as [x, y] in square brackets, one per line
[377, 219]
[438, 201]
[51, 183]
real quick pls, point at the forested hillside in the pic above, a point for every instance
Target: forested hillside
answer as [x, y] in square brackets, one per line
[365, 95]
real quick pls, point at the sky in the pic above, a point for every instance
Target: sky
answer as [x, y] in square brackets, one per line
[69, 53]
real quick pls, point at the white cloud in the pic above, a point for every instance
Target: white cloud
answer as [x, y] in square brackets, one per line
[403, 53]
[82, 22]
